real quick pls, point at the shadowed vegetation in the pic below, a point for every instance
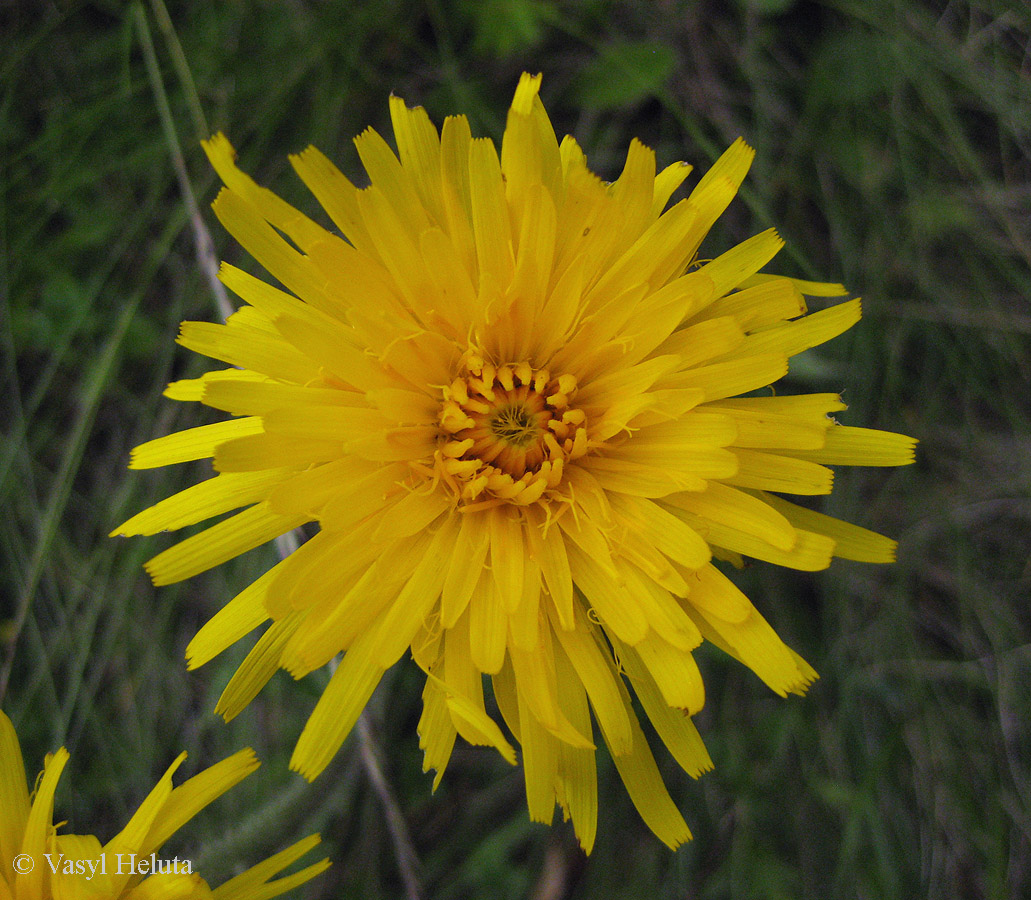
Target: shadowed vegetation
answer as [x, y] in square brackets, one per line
[892, 145]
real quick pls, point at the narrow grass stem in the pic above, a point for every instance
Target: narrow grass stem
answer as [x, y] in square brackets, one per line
[204, 247]
[404, 851]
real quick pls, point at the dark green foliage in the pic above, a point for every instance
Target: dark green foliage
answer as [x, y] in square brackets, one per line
[892, 144]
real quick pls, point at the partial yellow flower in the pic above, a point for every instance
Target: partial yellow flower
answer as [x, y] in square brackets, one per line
[509, 396]
[37, 862]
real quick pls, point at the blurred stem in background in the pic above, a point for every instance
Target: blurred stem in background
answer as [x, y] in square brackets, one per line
[892, 147]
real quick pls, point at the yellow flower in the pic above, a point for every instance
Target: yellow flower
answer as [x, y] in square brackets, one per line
[505, 395]
[38, 863]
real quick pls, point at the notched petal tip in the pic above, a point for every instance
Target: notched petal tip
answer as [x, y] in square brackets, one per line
[218, 145]
[529, 87]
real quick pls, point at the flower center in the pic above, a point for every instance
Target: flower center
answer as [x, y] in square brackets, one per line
[514, 424]
[509, 430]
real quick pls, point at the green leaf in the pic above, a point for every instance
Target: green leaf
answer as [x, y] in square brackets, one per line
[624, 73]
[505, 27]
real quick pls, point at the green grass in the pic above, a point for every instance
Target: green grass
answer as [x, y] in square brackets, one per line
[892, 153]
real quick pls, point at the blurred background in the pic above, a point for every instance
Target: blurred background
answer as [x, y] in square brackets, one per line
[892, 144]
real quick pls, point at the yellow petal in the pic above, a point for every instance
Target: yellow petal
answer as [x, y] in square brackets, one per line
[268, 354]
[193, 443]
[634, 380]
[192, 389]
[534, 257]
[267, 246]
[506, 556]
[718, 186]
[403, 619]
[272, 208]
[850, 541]
[848, 446]
[525, 620]
[503, 682]
[764, 429]
[689, 463]
[721, 510]
[161, 886]
[213, 546]
[396, 243]
[455, 141]
[392, 180]
[653, 323]
[667, 533]
[460, 673]
[716, 595]
[466, 564]
[491, 226]
[612, 603]
[597, 672]
[202, 501]
[336, 194]
[673, 726]
[29, 885]
[328, 564]
[338, 621]
[779, 472]
[419, 147]
[644, 784]
[254, 883]
[412, 513]
[813, 409]
[263, 296]
[131, 838]
[549, 550]
[479, 723]
[737, 376]
[332, 348]
[324, 423]
[14, 798]
[791, 338]
[240, 616]
[664, 615]
[540, 764]
[258, 450]
[249, 398]
[436, 731]
[338, 708]
[657, 255]
[703, 341]
[452, 281]
[365, 489]
[729, 269]
[674, 671]
[751, 640]
[260, 664]
[585, 534]
[764, 304]
[488, 626]
[577, 775]
[642, 479]
[666, 182]
[809, 288]
[633, 194]
[195, 794]
[537, 688]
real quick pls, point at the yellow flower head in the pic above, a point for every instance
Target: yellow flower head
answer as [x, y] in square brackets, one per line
[38, 863]
[509, 396]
